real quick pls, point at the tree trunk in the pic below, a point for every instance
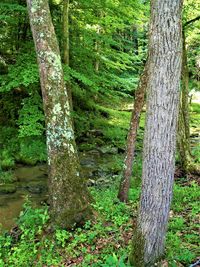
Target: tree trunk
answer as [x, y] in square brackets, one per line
[160, 132]
[69, 198]
[185, 89]
[132, 135]
[183, 139]
[65, 39]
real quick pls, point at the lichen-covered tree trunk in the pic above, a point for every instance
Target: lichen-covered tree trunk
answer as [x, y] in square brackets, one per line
[69, 198]
[132, 135]
[160, 132]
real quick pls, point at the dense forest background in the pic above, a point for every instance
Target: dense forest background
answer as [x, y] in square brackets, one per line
[103, 47]
[107, 52]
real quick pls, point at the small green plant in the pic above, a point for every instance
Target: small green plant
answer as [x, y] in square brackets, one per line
[177, 223]
[7, 160]
[62, 236]
[6, 177]
[113, 261]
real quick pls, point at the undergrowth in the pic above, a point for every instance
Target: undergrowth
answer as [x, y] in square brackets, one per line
[104, 241]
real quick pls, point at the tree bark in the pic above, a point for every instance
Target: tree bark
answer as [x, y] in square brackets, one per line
[69, 198]
[132, 135]
[160, 132]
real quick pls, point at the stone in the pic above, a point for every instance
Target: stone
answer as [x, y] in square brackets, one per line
[36, 187]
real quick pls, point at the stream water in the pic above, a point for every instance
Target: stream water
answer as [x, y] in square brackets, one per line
[32, 184]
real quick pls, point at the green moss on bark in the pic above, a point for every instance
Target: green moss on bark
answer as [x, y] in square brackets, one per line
[136, 257]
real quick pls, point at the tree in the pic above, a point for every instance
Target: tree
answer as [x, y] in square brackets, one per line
[160, 132]
[69, 198]
[183, 142]
[132, 135]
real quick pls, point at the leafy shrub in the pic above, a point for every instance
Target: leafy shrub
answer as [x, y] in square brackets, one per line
[7, 160]
[9, 146]
[31, 116]
[32, 150]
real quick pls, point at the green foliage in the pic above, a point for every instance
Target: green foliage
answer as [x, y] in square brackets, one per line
[6, 177]
[7, 160]
[178, 252]
[102, 33]
[101, 242]
[196, 154]
[31, 117]
[32, 150]
[23, 253]
[195, 108]
[23, 73]
[185, 195]
[32, 220]
[191, 11]
[177, 223]
[113, 261]
[182, 237]
[8, 147]
[62, 237]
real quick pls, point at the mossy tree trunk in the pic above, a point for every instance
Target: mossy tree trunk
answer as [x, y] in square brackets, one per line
[69, 198]
[160, 132]
[183, 136]
[183, 140]
[132, 135]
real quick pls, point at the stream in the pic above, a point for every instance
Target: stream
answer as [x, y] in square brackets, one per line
[31, 183]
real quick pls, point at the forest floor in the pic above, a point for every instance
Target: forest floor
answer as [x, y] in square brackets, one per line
[106, 240]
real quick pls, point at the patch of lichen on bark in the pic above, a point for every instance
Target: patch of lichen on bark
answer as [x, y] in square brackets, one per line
[136, 257]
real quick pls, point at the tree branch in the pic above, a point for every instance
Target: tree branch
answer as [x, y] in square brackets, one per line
[191, 21]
